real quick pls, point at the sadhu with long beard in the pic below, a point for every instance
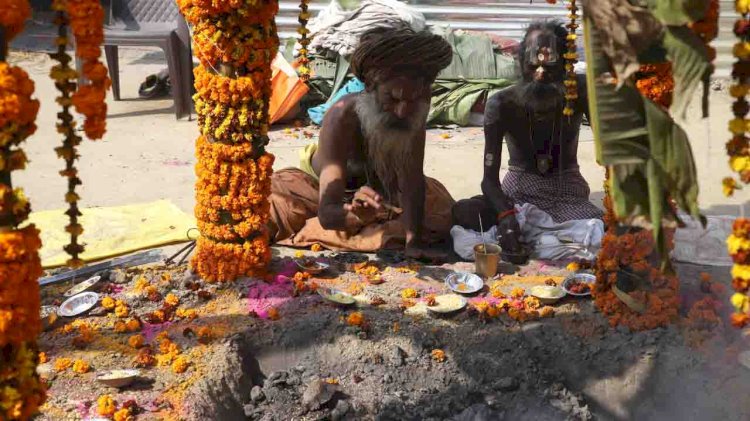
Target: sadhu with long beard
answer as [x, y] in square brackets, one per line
[542, 143]
[362, 187]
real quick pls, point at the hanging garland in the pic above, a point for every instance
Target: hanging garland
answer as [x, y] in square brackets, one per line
[21, 391]
[738, 148]
[85, 19]
[236, 43]
[655, 82]
[571, 58]
[738, 245]
[304, 41]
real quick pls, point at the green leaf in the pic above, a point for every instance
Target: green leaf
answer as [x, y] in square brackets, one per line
[648, 153]
[452, 101]
[678, 12]
[690, 67]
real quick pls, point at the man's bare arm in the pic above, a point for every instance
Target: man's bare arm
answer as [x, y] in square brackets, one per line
[336, 139]
[493, 147]
[412, 187]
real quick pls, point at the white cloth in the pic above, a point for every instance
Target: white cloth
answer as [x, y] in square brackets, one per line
[693, 244]
[577, 239]
[338, 30]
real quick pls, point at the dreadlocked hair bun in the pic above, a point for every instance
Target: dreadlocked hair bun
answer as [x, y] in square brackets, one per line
[386, 52]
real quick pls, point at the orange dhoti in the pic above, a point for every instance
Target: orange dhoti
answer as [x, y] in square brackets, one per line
[294, 214]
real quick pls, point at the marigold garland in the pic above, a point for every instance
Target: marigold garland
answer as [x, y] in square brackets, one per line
[655, 82]
[236, 42]
[304, 41]
[738, 245]
[571, 58]
[738, 148]
[21, 390]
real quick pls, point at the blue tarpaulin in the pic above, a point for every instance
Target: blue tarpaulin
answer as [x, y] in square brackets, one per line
[353, 86]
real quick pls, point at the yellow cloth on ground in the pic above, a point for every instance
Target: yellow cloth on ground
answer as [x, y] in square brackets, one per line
[305, 159]
[112, 231]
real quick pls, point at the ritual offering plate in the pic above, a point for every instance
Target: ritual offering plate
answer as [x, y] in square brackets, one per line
[579, 285]
[118, 378]
[311, 265]
[83, 286]
[336, 296]
[448, 303]
[547, 294]
[48, 315]
[464, 283]
[78, 304]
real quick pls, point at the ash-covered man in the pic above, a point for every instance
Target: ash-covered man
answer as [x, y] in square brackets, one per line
[362, 188]
[542, 143]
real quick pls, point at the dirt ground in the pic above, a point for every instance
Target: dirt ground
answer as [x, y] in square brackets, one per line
[570, 366]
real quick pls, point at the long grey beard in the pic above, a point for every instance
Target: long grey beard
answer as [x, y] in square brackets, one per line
[390, 142]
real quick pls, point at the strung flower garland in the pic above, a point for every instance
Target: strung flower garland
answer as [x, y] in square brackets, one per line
[236, 43]
[304, 41]
[655, 82]
[738, 148]
[21, 391]
[571, 58]
[64, 77]
[738, 245]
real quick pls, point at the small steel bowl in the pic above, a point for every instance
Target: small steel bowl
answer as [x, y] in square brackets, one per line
[471, 283]
[118, 378]
[579, 277]
[78, 304]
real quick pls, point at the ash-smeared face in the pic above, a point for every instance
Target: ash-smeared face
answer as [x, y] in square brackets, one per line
[542, 58]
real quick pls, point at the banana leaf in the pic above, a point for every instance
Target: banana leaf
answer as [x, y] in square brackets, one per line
[678, 12]
[648, 154]
[691, 67]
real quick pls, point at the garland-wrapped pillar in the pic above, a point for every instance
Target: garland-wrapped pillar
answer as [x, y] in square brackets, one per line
[236, 43]
[21, 391]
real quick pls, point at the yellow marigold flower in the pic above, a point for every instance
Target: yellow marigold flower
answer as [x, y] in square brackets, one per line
[108, 303]
[172, 300]
[740, 163]
[738, 126]
[741, 50]
[517, 292]
[481, 306]
[735, 244]
[136, 341]
[355, 319]
[62, 364]
[299, 254]
[409, 293]
[123, 415]
[438, 355]
[105, 406]
[742, 6]
[571, 37]
[43, 357]
[531, 303]
[741, 271]
[141, 284]
[180, 364]
[121, 309]
[739, 90]
[729, 185]
[573, 267]
[316, 247]
[741, 302]
[81, 367]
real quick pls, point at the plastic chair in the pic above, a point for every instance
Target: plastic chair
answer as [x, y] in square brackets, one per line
[155, 23]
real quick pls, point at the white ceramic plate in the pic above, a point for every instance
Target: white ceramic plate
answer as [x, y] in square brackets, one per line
[580, 277]
[448, 303]
[118, 378]
[83, 286]
[464, 283]
[78, 304]
[547, 294]
[336, 296]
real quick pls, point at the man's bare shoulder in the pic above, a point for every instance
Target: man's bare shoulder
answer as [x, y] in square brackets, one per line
[343, 111]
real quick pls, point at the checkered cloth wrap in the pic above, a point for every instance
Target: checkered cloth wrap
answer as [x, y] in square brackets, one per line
[564, 196]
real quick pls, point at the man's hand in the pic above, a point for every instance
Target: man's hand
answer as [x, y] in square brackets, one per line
[509, 234]
[365, 205]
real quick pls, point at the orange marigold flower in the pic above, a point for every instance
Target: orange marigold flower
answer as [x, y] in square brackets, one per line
[120, 327]
[438, 355]
[739, 320]
[172, 300]
[133, 325]
[273, 313]
[316, 247]
[123, 415]
[355, 319]
[204, 335]
[136, 341]
[180, 364]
